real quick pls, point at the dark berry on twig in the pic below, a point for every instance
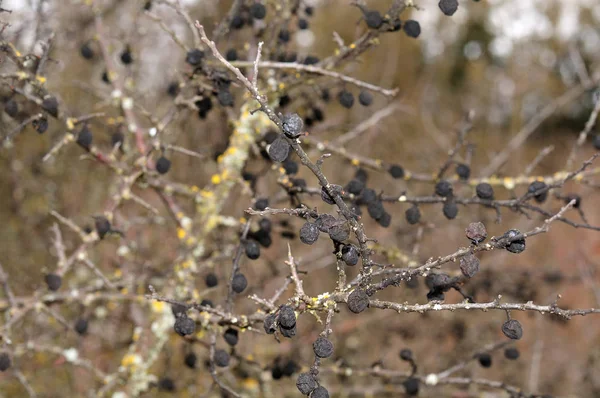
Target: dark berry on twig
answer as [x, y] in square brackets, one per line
[270, 324]
[102, 226]
[320, 392]
[190, 360]
[413, 214]
[485, 360]
[443, 188]
[448, 7]
[514, 246]
[252, 249]
[350, 255]
[373, 19]
[484, 191]
[463, 171]
[4, 361]
[476, 232]
[411, 385]
[306, 383]
[512, 329]
[346, 99]
[81, 326]
[258, 11]
[309, 233]
[239, 283]
[412, 28]
[406, 354]
[287, 316]
[292, 125]
[358, 301]
[396, 171]
[85, 138]
[194, 57]
[221, 358]
[469, 265]
[211, 280]
[365, 98]
[50, 105]
[53, 281]
[163, 165]
[184, 325]
[537, 186]
[511, 353]
[450, 209]
[231, 336]
[334, 189]
[323, 348]
[278, 150]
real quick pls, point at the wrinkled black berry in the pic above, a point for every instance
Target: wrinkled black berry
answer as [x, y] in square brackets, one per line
[516, 246]
[463, 171]
[412, 28]
[53, 281]
[485, 360]
[261, 204]
[225, 97]
[365, 98]
[184, 325]
[194, 57]
[211, 280]
[511, 353]
[335, 189]
[221, 358]
[306, 383]
[413, 214]
[350, 254]
[252, 250]
[231, 336]
[287, 332]
[258, 11]
[340, 231]
[385, 220]
[346, 99]
[358, 301]
[239, 283]
[484, 191]
[284, 35]
[469, 265]
[537, 186]
[270, 324]
[302, 24]
[292, 125]
[309, 233]
[323, 348]
[448, 7]
[279, 150]
[325, 221]
[361, 175]
[287, 316]
[476, 232]
[443, 188]
[512, 329]
[367, 196]
[237, 22]
[81, 326]
[396, 171]
[376, 210]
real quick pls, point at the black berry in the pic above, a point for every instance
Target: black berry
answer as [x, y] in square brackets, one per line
[86, 51]
[306, 383]
[574, 197]
[512, 329]
[320, 392]
[184, 325]
[126, 56]
[239, 283]
[396, 171]
[221, 358]
[237, 22]
[365, 98]
[211, 280]
[231, 55]
[335, 189]
[340, 231]
[413, 214]
[231, 336]
[4, 361]
[411, 385]
[412, 28]
[376, 210]
[373, 19]
[484, 191]
[485, 360]
[252, 250]
[358, 301]
[346, 99]
[514, 246]
[361, 175]
[309, 233]
[367, 196]
[537, 186]
[85, 138]
[278, 150]
[194, 57]
[323, 348]
[225, 97]
[270, 324]
[81, 326]
[117, 138]
[443, 188]
[284, 35]
[596, 141]
[190, 360]
[287, 316]
[50, 105]
[450, 209]
[53, 281]
[350, 255]
[40, 125]
[163, 165]
[406, 354]
[302, 24]
[258, 11]
[355, 187]
[166, 384]
[102, 226]
[448, 7]
[287, 332]
[292, 125]
[261, 204]
[463, 171]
